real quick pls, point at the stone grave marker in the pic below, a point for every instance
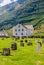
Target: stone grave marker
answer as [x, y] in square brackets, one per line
[6, 51]
[22, 44]
[14, 46]
[39, 44]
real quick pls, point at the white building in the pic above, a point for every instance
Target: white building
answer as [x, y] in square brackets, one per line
[23, 30]
[3, 33]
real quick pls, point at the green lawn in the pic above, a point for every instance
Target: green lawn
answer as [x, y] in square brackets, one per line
[26, 55]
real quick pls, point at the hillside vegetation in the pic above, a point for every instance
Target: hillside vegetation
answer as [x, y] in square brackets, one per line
[29, 12]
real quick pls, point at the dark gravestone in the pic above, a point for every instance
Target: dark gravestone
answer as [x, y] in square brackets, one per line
[22, 37]
[29, 43]
[26, 41]
[14, 46]
[22, 44]
[2, 38]
[6, 51]
[21, 41]
[17, 38]
[0, 52]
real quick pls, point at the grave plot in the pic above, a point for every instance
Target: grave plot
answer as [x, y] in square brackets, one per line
[23, 52]
[6, 51]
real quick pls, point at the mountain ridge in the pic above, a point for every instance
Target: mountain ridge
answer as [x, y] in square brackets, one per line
[26, 13]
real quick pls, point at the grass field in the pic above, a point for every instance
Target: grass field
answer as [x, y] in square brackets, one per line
[26, 55]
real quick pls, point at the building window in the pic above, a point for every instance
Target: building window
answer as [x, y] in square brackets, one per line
[15, 29]
[21, 33]
[22, 29]
[18, 29]
[16, 33]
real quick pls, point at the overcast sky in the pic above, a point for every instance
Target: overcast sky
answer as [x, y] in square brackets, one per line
[4, 2]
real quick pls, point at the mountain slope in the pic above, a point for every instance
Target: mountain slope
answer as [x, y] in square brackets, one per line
[30, 12]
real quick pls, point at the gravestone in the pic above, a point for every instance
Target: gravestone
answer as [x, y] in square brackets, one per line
[26, 40]
[6, 51]
[0, 53]
[22, 37]
[2, 38]
[22, 44]
[21, 40]
[17, 38]
[39, 44]
[14, 46]
[29, 43]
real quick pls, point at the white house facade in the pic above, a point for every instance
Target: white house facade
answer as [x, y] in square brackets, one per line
[23, 30]
[3, 33]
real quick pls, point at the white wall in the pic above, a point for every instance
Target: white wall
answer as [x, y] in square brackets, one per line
[26, 32]
[30, 32]
[19, 32]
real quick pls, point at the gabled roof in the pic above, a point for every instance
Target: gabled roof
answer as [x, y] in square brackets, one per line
[26, 26]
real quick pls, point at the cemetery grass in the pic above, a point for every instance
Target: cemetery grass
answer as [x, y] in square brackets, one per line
[26, 55]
